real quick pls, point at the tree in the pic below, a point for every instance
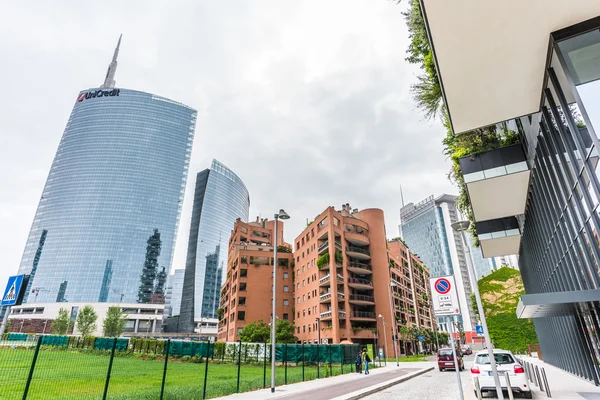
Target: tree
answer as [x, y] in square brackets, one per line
[86, 321]
[257, 332]
[284, 332]
[62, 323]
[114, 323]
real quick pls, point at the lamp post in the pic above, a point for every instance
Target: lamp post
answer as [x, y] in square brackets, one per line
[384, 337]
[394, 326]
[462, 226]
[318, 330]
[283, 215]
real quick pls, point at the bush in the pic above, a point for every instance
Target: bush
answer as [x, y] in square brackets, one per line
[219, 350]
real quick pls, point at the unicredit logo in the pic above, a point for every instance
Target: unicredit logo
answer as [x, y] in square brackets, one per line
[98, 93]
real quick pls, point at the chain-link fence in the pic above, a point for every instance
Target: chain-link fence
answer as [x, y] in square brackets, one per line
[68, 367]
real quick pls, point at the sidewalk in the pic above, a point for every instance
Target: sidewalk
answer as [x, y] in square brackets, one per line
[349, 386]
[563, 386]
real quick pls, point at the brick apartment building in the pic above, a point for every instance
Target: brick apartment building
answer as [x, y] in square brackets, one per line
[342, 271]
[246, 295]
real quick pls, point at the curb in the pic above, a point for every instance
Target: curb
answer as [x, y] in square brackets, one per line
[385, 385]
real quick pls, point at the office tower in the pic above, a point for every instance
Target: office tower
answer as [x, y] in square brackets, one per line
[220, 199]
[342, 273]
[173, 292]
[118, 177]
[246, 295]
[426, 229]
[545, 188]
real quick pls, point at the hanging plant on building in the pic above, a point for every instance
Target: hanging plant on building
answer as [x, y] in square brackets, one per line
[339, 257]
[323, 261]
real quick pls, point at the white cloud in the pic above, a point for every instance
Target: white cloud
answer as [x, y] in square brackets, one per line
[308, 102]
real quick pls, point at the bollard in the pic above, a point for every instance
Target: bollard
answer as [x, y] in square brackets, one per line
[539, 379]
[478, 389]
[508, 386]
[548, 394]
[535, 382]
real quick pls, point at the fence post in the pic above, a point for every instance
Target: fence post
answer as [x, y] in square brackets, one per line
[318, 362]
[164, 377]
[206, 369]
[548, 394]
[265, 366]
[285, 364]
[508, 386]
[239, 366]
[31, 369]
[303, 361]
[539, 379]
[110, 364]
[330, 368]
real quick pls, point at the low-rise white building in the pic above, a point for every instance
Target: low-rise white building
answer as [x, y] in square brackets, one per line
[142, 319]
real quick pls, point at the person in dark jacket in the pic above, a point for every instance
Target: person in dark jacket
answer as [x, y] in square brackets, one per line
[366, 360]
[358, 363]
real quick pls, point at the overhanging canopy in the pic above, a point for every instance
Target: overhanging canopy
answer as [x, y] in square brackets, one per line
[539, 305]
[491, 55]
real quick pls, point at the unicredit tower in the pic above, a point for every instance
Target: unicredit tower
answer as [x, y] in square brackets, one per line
[105, 227]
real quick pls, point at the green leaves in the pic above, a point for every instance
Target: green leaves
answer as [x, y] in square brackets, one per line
[62, 323]
[86, 321]
[260, 332]
[114, 323]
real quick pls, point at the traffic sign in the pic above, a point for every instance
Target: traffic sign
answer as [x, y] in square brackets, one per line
[479, 329]
[420, 338]
[444, 296]
[12, 291]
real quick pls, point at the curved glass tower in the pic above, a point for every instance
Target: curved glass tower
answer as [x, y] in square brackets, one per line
[220, 198]
[106, 223]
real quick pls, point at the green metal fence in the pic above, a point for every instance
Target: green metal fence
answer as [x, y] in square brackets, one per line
[63, 367]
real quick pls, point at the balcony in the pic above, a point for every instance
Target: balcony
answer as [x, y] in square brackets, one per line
[323, 248]
[361, 299]
[358, 253]
[359, 283]
[362, 333]
[499, 237]
[359, 268]
[325, 280]
[328, 314]
[326, 297]
[338, 245]
[364, 315]
[357, 238]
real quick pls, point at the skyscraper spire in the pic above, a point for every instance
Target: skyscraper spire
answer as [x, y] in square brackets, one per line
[109, 80]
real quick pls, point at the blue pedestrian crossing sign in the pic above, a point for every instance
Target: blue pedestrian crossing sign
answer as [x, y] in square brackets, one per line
[479, 329]
[421, 338]
[12, 291]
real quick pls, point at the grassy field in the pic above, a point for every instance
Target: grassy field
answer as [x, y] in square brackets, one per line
[61, 374]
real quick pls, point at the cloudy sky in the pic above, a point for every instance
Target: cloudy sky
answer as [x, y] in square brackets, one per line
[307, 101]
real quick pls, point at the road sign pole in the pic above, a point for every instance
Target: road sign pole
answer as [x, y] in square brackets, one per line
[456, 366]
[4, 321]
[486, 332]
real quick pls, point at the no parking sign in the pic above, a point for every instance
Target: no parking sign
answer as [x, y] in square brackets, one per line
[443, 295]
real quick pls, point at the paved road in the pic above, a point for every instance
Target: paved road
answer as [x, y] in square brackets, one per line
[434, 385]
[340, 389]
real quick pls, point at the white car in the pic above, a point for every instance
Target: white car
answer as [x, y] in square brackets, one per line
[505, 361]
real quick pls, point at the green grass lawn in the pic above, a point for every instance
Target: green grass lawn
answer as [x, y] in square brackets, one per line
[61, 374]
[408, 358]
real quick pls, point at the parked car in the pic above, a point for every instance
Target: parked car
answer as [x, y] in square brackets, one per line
[466, 350]
[445, 359]
[505, 361]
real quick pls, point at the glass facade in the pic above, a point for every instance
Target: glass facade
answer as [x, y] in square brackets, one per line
[118, 176]
[220, 198]
[560, 249]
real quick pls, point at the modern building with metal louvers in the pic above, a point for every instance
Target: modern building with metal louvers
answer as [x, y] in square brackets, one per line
[106, 223]
[533, 68]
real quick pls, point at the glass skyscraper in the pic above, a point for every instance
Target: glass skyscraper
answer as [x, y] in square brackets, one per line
[219, 199]
[426, 229]
[106, 223]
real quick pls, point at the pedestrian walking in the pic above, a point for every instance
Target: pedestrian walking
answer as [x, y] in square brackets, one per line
[358, 362]
[366, 360]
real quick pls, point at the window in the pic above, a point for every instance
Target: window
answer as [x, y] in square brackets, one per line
[501, 358]
[243, 273]
[304, 313]
[308, 280]
[241, 315]
[309, 311]
[244, 260]
[286, 289]
[297, 245]
[303, 298]
[298, 302]
[302, 254]
[298, 272]
[307, 238]
[285, 316]
[242, 301]
[286, 302]
[298, 314]
[243, 287]
[302, 241]
[336, 222]
[303, 269]
[309, 329]
[286, 275]
[298, 329]
[298, 287]
[312, 233]
[303, 328]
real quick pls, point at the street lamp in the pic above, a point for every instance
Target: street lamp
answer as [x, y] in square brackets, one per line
[394, 326]
[283, 215]
[462, 226]
[384, 338]
[318, 330]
